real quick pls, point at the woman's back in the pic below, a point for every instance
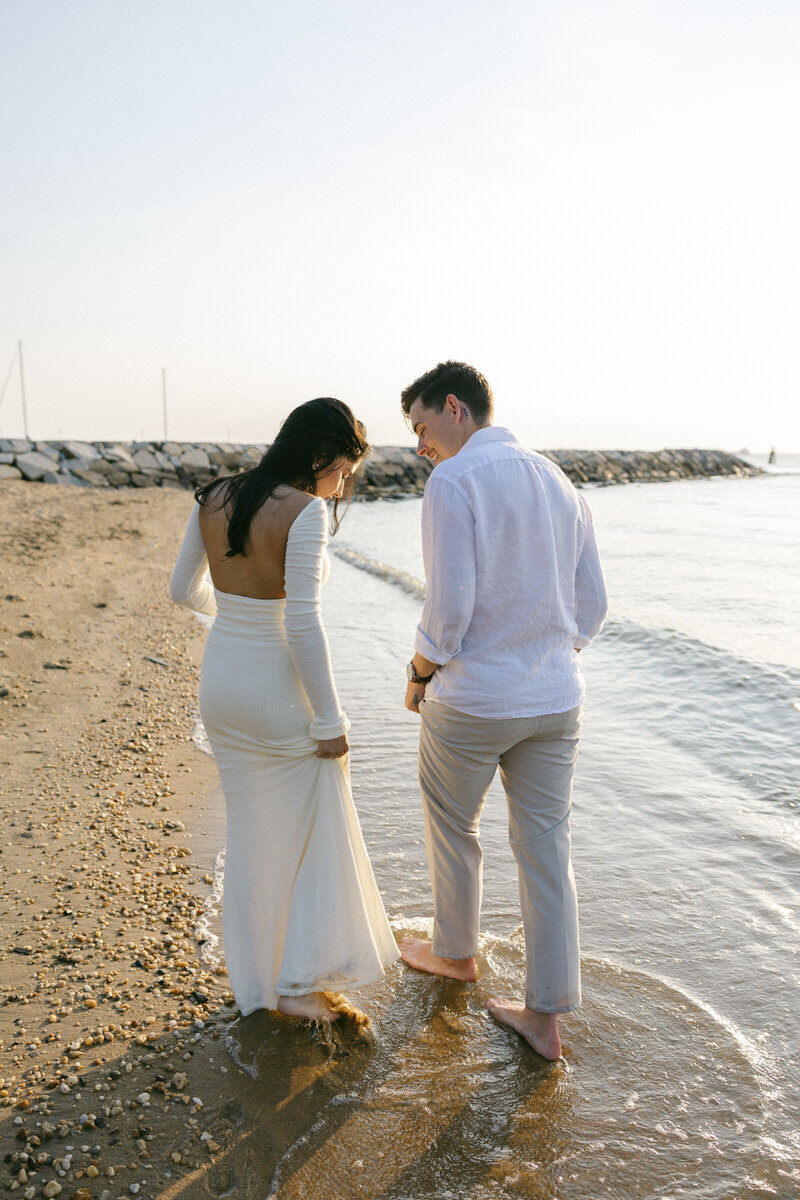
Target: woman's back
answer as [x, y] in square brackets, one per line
[258, 574]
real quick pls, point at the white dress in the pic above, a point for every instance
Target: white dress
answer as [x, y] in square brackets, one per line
[301, 910]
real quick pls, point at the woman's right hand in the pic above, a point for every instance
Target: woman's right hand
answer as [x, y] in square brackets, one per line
[333, 747]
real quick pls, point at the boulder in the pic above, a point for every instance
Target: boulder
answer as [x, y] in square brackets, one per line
[88, 476]
[158, 473]
[114, 452]
[64, 478]
[96, 464]
[34, 465]
[226, 457]
[195, 458]
[48, 450]
[122, 465]
[15, 445]
[164, 461]
[145, 458]
[393, 470]
[9, 472]
[83, 450]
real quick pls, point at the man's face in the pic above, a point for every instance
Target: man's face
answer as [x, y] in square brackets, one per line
[439, 434]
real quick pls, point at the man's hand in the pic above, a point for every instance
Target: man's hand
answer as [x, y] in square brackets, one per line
[414, 693]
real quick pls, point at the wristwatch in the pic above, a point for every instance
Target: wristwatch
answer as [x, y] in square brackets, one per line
[413, 677]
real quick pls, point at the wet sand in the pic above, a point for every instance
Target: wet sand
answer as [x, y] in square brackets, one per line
[113, 1077]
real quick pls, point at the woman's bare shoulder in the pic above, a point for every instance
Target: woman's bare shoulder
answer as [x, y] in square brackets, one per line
[213, 503]
[282, 508]
[291, 497]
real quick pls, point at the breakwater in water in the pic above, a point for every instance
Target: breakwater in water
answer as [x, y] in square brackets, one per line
[390, 470]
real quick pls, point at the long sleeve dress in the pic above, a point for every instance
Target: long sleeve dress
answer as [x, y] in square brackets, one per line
[301, 910]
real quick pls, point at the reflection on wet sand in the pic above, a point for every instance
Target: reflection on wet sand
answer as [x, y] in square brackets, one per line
[448, 1104]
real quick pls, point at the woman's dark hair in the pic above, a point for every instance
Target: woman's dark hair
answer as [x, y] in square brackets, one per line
[312, 439]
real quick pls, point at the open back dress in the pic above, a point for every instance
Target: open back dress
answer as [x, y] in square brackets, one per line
[301, 909]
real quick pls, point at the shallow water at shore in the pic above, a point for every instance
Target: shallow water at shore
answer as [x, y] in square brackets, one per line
[680, 1075]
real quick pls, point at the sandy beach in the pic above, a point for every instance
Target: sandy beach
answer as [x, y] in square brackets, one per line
[124, 1067]
[113, 1080]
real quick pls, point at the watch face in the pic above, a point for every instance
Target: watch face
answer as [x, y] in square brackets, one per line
[410, 672]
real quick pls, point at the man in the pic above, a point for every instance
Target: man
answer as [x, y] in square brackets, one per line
[514, 590]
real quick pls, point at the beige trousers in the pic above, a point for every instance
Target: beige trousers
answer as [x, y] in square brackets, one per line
[458, 757]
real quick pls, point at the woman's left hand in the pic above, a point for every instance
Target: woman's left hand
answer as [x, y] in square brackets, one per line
[333, 747]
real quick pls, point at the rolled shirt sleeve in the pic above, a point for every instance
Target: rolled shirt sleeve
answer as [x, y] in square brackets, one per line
[591, 597]
[449, 555]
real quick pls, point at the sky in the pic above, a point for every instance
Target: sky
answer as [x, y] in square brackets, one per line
[595, 203]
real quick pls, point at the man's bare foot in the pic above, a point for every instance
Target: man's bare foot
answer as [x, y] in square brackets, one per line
[419, 954]
[540, 1030]
[314, 1006]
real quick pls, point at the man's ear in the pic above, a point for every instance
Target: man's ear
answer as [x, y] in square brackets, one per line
[453, 404]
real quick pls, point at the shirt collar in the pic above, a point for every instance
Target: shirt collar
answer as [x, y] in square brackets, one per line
[491, 433]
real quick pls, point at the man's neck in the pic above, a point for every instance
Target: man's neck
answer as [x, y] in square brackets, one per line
[470, 429]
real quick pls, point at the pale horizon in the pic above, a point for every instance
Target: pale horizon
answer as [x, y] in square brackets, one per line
[594, 205]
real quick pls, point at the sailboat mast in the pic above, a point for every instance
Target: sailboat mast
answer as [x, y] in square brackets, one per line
[22, 392]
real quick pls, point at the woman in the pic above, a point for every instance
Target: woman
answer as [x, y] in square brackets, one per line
[302, 916]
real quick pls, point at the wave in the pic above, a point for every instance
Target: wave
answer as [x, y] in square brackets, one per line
[199, 736]
[400, 579]
[737, 716]
[735, 667]
[208, 928]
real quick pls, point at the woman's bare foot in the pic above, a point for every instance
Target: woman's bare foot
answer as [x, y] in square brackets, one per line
[342, 1007]
[419, 954]
[324, 1006]
[314, 1006]
[540, 1030]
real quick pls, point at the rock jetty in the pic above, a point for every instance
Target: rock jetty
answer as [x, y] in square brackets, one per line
[389, 471]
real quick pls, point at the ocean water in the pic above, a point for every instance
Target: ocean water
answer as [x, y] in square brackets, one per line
[681, 1075]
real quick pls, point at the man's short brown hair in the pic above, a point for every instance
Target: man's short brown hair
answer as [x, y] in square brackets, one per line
[451, 378]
